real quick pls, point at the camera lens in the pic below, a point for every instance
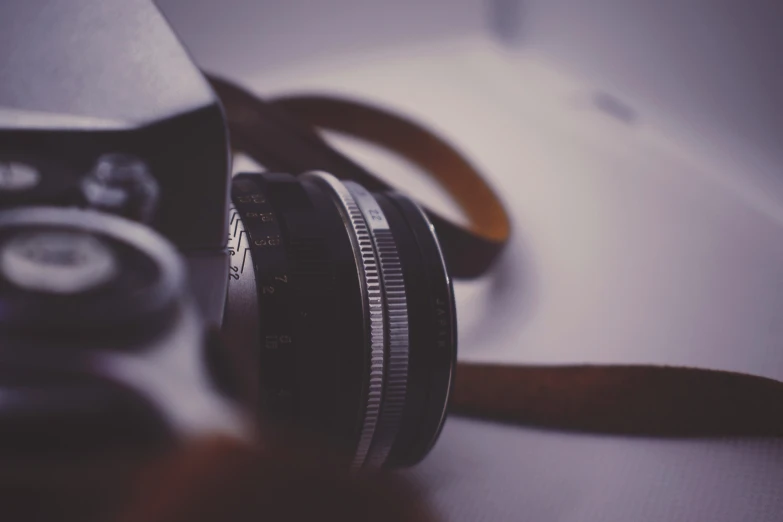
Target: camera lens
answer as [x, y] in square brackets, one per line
[342, 298]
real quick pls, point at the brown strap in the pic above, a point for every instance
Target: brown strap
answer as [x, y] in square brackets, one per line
[661, 401]
[280, 136]
[637, 400]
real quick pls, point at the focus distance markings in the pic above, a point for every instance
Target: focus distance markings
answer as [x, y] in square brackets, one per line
[373, 214]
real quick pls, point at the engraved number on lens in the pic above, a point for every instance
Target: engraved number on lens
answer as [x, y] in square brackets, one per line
[266, 217]
[269, 241]
[252, 198]
[273, 342]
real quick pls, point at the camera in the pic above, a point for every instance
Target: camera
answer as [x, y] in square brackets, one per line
[148, 297]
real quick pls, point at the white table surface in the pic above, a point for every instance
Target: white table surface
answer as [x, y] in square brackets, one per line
[655, 240]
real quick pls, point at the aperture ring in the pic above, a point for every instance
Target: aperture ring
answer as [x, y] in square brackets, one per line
[278, 342]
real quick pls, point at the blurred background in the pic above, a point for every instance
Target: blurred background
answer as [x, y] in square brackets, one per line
[637, 146]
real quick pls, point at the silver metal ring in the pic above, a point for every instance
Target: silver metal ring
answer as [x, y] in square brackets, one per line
[374, 313]
[396, 307]
[139, 236]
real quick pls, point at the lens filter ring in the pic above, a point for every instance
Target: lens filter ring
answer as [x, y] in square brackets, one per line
[433, 329]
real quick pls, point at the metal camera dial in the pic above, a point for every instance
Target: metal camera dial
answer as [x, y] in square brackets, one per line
[102, 344]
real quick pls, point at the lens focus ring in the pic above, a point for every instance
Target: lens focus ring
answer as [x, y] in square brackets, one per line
[396, 308]
[374, 310]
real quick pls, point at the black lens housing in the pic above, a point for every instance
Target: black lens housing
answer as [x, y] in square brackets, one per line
[433, 328]
[311, 290]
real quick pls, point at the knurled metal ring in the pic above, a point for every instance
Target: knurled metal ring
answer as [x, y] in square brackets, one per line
[396, 308]
[374, 313]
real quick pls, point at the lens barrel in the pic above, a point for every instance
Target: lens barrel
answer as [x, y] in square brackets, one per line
[353, 325]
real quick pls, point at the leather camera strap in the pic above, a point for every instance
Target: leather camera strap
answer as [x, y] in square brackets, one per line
[281, 134]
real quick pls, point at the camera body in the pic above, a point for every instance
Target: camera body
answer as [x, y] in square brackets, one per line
[90, 78]
[102, 113]
[147, 297]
